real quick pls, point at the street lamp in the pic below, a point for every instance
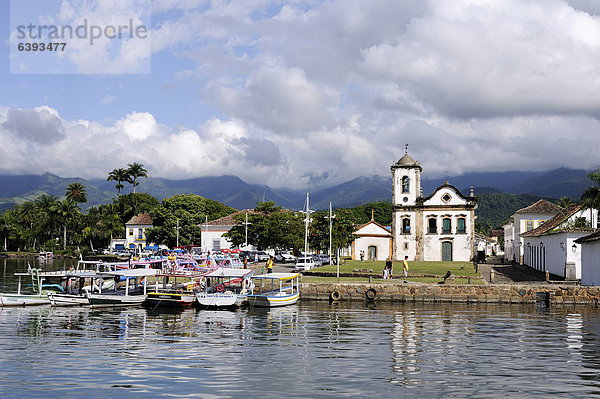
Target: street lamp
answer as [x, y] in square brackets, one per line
[331, 217]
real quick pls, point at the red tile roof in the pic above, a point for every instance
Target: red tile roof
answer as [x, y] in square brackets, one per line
[592, 237]
[229, 220]
[556, 221]
[542, 206]
[142, 218]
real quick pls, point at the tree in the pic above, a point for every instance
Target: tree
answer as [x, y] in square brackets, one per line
[136, 170]
[271, 227]
[76, 192]
[46, 204]
[119, 175]
[591, 196]
[187, 210]
[565, 202]
[129, 205]
[65, 211]
[7, 223]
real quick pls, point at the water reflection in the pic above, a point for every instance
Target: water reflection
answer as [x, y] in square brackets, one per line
[307, 350]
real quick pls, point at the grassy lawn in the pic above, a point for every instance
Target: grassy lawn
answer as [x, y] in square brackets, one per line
[429, 280]
[416, 267]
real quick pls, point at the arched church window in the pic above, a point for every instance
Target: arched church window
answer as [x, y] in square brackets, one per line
[406, 226]
[432, 226]
[446, 226]
[405, 184]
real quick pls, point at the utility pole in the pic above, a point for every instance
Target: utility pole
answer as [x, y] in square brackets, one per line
[330, 217]
[307, 213]
[177, 232]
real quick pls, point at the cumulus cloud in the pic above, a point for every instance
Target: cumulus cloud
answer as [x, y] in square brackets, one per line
[318, 92]
[484, 59]
[39, 125]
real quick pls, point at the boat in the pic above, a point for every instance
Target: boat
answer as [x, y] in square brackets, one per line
[38, 290]
[76, 288]
[274, 289]
[44, 255]
[122, 296]
[224, 288]
[172, 294]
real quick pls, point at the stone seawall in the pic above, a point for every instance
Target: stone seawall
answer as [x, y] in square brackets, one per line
[390, 292]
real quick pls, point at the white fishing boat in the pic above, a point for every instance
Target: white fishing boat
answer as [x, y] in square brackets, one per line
[76, 279]
[134, 291]
[173, 294]
[37, 292]
[274, 289]
[224, 288]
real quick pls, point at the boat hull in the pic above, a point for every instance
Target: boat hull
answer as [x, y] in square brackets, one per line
[68, 300]
[273, 300]
[23, 300]
[169, 299]
[220, 300]
[102, 300]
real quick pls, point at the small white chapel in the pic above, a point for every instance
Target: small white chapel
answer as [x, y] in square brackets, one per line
[439, 227]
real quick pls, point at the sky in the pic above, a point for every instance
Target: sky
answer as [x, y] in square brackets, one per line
[306, 93]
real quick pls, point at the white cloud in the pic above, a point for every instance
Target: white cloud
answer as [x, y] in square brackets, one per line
[307, 90]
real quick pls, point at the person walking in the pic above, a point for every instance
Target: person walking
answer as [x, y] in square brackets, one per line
[362, 256]
[245, 262]
[405, 267]
[270, 265]
[387, 270]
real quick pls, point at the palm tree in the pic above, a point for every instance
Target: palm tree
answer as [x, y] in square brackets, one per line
[591, 196]
[46, 204]
[119, 175]
[76, 192]
[136, 170]
[65, 211]
[7, 224]
[565, 202]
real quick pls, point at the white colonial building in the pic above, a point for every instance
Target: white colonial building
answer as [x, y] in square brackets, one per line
[590, 259]
[524, 220]
[374, 239]
[135, 232]
[439, 227]
[212, 232]
[554, 247]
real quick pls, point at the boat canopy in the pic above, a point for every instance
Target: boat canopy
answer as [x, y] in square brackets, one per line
[129, 273]
[228, 272]
[278, 276]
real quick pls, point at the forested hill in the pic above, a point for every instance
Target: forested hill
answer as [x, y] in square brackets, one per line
[495, 209]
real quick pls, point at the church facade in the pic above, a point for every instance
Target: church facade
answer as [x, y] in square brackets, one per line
[439, 227]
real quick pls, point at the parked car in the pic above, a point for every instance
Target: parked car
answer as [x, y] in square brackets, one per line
[304, 263]
[324, 258]
[262, 256]
[317, 260]
[284, 257]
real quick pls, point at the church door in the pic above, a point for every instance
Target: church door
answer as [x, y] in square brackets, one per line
[373, 253]
[446, 251]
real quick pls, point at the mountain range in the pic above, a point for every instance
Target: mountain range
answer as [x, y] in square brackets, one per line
[233, 191]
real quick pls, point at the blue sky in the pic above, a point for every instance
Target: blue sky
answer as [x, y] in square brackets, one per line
[298, 93]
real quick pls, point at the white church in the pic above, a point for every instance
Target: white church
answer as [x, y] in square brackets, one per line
[439, 227]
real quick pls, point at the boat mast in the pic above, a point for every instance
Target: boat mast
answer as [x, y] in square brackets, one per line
[306, 222]
[330, 217]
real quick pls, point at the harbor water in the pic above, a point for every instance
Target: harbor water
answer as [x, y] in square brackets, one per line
[311, 349]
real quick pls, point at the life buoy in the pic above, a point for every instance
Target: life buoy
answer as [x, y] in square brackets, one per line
[335, 296]
[370, 294]
[220, 287]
